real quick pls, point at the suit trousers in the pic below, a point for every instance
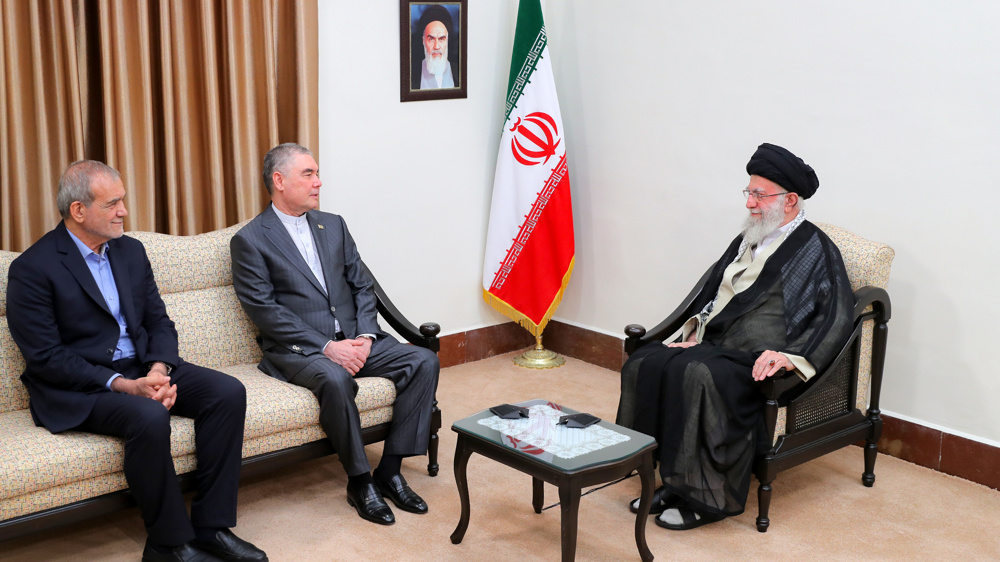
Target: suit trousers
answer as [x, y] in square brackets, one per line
[217, 403]
[414, 372]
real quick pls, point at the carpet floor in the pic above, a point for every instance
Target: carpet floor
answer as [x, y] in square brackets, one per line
[819, 510]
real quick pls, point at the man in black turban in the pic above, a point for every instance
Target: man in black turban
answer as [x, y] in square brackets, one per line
[434, 71]
[779, 298]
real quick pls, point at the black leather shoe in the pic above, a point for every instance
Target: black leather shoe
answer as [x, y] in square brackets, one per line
[370, 504]
[397, 490]
[228, 546]
[182, 553]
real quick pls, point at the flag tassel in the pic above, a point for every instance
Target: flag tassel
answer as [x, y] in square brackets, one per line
[517, 316]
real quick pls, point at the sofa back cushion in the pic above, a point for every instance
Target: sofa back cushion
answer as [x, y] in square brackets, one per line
[13, 395]
[195, 278]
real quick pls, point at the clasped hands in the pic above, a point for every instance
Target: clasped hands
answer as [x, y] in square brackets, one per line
[349, 354]
[155, 385]
[766, 365]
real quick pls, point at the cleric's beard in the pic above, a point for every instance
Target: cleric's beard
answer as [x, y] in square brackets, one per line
[757, 227]
[436, 66]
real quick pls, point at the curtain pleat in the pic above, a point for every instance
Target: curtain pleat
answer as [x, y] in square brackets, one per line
[181, 96]
[40, 121]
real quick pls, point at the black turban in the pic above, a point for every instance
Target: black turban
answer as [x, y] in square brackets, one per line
[783, 168]
[434, 13]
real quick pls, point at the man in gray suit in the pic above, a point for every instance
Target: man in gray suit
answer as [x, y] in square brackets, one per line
[299, 277]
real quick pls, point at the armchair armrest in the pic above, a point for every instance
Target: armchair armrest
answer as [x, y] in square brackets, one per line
[877, 298]
[637, 336]
[425, 336]
[786, 386]
[773, 388]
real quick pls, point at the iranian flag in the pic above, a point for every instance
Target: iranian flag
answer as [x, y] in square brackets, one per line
[529, 246]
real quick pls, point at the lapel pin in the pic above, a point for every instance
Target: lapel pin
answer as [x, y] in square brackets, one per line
[319, 226]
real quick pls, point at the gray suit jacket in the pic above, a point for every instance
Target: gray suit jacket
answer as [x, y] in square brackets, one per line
[284, 299]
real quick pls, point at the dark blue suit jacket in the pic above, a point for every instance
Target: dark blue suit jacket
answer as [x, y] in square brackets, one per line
[61, 322]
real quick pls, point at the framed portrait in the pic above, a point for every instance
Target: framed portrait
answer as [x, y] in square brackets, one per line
[433, 42]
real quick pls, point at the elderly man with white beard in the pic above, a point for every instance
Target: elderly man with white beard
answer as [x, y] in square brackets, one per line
[435, 26]
[779, 298]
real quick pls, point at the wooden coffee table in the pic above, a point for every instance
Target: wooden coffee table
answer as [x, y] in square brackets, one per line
[570, 459]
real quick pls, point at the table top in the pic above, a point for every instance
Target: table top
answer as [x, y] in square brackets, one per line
[539, 437]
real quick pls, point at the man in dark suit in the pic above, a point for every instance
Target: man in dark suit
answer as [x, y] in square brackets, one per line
[299, 277]
[101, 357]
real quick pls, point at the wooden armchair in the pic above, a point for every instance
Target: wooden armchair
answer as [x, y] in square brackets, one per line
[835, 408]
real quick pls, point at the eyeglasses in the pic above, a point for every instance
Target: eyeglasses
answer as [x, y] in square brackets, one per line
[758, 195]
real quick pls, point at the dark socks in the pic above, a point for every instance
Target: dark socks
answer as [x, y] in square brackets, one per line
[359, 480]
[205, 533]
[388, 467]
[161, 548]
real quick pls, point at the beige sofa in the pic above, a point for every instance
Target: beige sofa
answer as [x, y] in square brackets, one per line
[48, 480]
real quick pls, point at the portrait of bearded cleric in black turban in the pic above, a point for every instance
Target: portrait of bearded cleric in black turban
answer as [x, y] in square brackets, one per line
[435, 49]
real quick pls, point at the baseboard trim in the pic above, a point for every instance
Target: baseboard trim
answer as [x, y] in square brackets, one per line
[580, 343]
[941, 451]
[906, 440]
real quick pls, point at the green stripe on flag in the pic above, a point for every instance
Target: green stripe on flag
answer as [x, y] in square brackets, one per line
[529, 42]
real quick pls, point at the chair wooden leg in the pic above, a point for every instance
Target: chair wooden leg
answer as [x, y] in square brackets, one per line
[432, 445]
[868, 477]
[763, 504]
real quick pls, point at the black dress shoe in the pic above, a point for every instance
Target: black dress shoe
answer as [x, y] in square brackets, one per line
[182, 553]
[397, 490]
[228, 546]
[370, 504]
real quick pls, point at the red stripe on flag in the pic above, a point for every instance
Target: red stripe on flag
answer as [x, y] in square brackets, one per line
[536, 277]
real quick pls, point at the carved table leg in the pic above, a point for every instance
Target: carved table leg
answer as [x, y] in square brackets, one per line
[462, 454]
[537, 494]
[645, 502]
[569, 500]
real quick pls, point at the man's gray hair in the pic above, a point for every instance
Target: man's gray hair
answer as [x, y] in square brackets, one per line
[75, 183]
[278, 159]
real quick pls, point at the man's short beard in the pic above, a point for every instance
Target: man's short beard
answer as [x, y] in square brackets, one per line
[757, 227]
[436, 66]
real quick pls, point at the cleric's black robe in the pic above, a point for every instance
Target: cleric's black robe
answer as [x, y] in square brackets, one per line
[701, 402]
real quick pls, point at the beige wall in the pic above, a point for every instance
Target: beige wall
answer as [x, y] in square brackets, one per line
[895, 104]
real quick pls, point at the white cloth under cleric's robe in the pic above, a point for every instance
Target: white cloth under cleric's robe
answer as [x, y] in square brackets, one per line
[701, 402]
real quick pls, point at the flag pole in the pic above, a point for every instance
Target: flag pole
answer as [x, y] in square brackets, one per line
[539, 358]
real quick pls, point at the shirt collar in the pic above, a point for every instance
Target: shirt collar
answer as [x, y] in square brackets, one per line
[289, 219]
[85, 250]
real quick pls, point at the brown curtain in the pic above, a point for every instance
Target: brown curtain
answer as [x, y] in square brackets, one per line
[183, 97]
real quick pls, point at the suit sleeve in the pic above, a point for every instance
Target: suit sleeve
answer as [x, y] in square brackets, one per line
[31, 318]
[362, 286]
[255, 290]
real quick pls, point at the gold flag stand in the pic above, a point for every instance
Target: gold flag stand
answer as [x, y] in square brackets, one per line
[539, 358]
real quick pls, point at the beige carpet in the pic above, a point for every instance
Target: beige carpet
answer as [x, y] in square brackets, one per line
[818, 511]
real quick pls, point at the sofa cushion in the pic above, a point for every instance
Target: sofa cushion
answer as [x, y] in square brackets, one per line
[5, 259]
[185, 263]
[13, 394]
[212, 329]
[279, 415]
